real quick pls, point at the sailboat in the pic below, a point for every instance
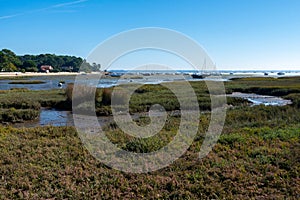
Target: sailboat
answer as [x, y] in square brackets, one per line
[201, 75]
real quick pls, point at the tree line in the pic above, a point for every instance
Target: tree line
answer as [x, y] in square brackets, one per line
[10, 62]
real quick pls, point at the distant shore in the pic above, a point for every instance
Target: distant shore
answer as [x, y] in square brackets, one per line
[14, 74]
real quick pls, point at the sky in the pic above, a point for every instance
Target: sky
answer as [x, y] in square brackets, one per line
[237, 34]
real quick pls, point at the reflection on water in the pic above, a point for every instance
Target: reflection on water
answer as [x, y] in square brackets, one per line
[51, 82]
[257, 99]
[50, 117]
[53, 117]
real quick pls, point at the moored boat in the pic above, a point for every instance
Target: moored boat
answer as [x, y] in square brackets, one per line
[199, 76]
[115, 75]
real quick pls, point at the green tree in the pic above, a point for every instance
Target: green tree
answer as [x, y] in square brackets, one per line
[8, 67]
[86, 67]
[30, 66]
[9, 61]
[96, 67]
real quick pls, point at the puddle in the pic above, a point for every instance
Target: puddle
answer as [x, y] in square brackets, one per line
[257, 99]
[53, 117]
[49, 117]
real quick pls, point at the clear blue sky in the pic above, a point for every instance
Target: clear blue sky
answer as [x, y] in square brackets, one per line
[237, 34]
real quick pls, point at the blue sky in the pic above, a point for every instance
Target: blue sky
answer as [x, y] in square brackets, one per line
[237, 34]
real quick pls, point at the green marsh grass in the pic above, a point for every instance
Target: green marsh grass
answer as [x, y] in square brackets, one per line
[51, 162]
[20, 104]
[257, 156]
[18, 115]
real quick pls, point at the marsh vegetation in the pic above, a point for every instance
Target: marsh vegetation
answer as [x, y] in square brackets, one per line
[257, 155]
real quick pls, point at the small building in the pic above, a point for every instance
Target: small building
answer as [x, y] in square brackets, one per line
[46, 68]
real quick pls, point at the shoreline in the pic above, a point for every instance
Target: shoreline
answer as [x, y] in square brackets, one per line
[20, 74]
